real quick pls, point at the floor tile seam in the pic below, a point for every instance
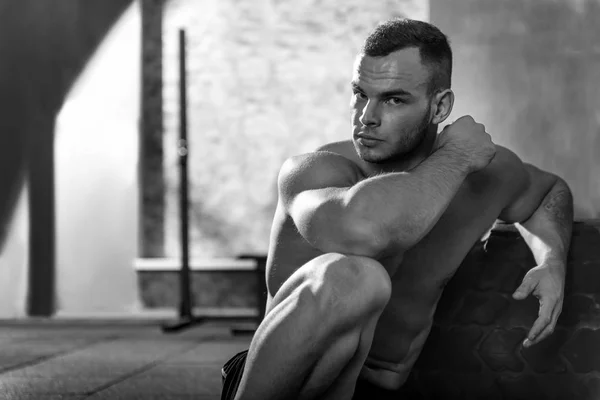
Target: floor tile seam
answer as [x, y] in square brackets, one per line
[73, 350]
[45, 358]
[135, 372]
[216, 367]
[196, 344]
[195, 363]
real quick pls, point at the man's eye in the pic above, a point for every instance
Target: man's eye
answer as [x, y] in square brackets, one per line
[360, 95]
[394, 100]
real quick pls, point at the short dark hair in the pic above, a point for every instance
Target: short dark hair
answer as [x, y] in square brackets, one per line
[400, 33]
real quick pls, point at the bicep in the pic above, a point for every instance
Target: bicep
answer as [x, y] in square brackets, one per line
[528, 186]
[311, 178]
[313, 192]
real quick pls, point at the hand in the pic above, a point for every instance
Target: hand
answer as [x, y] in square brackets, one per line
[546, 282]
[470, 141]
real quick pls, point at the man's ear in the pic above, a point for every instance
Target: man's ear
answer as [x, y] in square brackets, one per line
[441, 106]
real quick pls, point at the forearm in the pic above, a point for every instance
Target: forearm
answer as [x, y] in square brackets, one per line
[548, 231]
[403, 207]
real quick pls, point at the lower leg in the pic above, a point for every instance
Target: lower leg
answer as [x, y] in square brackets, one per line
[283, 351]
[341, 364]
[314, 342]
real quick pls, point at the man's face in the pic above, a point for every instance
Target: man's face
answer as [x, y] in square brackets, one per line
[390, 103]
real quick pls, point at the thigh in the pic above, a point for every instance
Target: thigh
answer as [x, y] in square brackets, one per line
[343, 282]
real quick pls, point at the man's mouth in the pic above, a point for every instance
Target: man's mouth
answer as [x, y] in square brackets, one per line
[367, 137]
[367, 141]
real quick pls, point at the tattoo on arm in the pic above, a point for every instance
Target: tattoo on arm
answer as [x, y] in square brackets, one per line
[559, 204]
[548, 230]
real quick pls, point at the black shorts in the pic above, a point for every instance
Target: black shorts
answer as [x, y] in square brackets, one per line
[233, 369]
[231, 375]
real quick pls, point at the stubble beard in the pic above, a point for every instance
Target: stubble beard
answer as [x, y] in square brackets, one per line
[408, 144]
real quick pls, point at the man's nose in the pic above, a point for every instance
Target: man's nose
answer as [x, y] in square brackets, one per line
[370, 114]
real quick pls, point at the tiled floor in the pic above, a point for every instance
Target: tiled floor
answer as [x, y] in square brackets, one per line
[91, 360]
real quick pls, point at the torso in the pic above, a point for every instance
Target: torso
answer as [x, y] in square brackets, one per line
[420, 277]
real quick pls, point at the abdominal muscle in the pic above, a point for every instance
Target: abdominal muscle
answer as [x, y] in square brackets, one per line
[392, 375]
[397, 343]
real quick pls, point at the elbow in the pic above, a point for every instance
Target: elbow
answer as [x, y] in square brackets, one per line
[366, 239]
[336, 230]
[349, 237]
[562, 183]
[366, 236]
[373, 236]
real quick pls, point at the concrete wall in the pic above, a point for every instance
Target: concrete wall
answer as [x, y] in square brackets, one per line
[96, 153]
[266, 80]
[43, 48]
[530, 71]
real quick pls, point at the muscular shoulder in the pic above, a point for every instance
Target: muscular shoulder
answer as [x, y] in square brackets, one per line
[343, 148]
[499, 182]
[506, 165]
[493, 180]
[515, 175]
[316, 170]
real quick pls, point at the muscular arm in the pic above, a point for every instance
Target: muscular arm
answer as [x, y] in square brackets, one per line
[543, 214]
[404, 206]
[335, 212]
[548, 230]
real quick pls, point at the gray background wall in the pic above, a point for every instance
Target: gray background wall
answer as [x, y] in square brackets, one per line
[530, 71]
[44, 46]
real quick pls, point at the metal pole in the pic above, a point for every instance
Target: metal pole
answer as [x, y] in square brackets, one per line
[185, 306]
[183, 150]
[185, 309]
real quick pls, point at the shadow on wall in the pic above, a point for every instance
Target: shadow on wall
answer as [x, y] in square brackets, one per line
[43, 48]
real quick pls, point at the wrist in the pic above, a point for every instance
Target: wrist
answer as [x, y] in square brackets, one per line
[458, 157]
[557, 265]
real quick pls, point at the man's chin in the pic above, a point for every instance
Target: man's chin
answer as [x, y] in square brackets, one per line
[372, 159]
[372, 156]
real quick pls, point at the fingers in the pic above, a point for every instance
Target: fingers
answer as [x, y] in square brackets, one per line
[524, 289]
[548, 330]
[544, 325]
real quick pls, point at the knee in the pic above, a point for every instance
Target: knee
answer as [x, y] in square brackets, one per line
[351, 285]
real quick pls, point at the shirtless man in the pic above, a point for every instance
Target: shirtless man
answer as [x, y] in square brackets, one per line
[368, 231]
